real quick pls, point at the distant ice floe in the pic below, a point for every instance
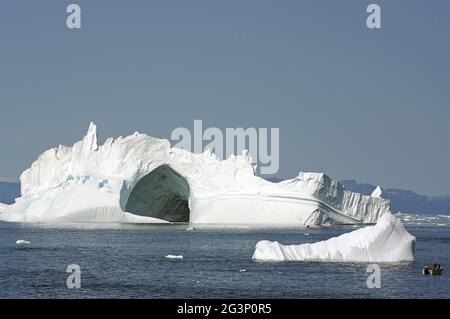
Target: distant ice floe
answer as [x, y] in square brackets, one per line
[387, 241]
[424, 220]
[174, 257]
[22, 242]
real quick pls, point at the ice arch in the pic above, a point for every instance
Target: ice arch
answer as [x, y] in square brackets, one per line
[163, 194]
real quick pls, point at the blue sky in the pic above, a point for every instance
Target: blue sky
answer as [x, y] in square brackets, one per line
[373, 105]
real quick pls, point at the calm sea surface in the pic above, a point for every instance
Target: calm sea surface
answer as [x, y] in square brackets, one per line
[129, 262]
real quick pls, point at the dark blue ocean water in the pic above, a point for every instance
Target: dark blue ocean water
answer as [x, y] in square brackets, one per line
[129, 262]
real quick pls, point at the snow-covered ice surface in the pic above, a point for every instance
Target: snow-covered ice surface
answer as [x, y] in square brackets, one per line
[142, 179]
[387, 241]
[2, 207]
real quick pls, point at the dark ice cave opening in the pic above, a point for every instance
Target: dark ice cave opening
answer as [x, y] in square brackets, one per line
[163, 194]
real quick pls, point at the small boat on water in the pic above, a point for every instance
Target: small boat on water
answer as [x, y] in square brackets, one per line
[432, 271]
[435, 272]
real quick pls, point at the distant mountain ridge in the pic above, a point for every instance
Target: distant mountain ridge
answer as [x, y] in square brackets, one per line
[403, 200]
[9, 191]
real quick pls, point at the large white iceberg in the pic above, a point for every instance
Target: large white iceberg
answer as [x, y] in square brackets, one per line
[387, 241]
[140, 178]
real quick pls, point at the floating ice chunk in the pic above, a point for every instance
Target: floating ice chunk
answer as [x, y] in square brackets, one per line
[416, 219]
[243, 270]
[174, 257]
[377, 192]
[387, 241]
[22, 242]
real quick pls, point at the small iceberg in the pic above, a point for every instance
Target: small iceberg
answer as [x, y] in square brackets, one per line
[387, 241]
[22, 242]
[174, 257]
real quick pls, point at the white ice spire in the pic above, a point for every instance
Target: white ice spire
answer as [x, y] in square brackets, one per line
[377, 192]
